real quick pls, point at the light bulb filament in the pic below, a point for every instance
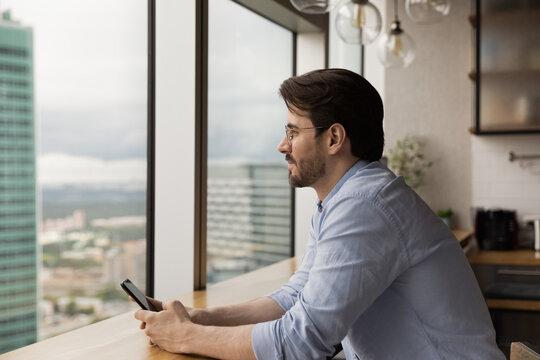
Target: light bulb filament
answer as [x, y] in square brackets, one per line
[358, 19]
[396, 46]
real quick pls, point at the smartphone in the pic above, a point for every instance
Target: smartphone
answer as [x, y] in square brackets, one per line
[137, 295]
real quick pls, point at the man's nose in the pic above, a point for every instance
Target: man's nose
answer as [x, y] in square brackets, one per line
[284, 147]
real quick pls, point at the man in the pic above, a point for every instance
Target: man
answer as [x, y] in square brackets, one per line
[382, 274]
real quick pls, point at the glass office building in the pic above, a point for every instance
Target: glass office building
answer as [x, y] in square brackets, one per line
[249, 218]
[18, 278]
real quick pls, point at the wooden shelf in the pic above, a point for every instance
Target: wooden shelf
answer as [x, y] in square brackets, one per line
[512, 17]
[511, 257]
[504, 17]
[510, 72]
[513, 304]
[503, 131]
[506, 73]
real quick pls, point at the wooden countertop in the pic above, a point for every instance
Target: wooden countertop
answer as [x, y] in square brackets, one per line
[462, 235]
[120, 338]
[511, 257]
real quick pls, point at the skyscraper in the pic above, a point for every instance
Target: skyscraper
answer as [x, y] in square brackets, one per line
[18, 278]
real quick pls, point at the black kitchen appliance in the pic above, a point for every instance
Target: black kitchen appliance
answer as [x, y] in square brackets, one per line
[496, 229]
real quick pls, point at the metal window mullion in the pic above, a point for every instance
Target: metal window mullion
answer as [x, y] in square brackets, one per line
[201, 144]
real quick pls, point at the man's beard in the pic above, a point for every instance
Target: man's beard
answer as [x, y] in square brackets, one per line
[309, 171]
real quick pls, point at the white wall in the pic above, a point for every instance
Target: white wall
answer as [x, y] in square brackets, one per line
[433, 100]
[499, 183]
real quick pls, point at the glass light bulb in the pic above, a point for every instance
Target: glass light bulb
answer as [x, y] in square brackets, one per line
[358, 22]
[427, 11]
[314, 6]
[396, 48]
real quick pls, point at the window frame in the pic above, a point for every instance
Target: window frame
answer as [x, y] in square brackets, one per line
[169, 275]
[150, 146]
[271, 14]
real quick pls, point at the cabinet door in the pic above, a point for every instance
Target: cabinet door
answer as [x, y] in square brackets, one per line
[508, 66]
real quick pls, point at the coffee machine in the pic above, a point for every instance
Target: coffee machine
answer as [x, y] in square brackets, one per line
[496, 229]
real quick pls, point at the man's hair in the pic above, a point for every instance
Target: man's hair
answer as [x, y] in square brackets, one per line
[341, 96]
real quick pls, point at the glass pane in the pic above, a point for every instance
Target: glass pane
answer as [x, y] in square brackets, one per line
[249, 198]
[510, 65]
[73, 87]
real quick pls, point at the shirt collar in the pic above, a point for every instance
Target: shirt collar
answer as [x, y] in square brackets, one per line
[357, 166]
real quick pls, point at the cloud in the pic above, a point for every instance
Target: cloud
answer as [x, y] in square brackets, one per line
[86, 53]
[55, 169]
[102, 132]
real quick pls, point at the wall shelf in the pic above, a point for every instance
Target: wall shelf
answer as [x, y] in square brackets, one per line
[507, 74]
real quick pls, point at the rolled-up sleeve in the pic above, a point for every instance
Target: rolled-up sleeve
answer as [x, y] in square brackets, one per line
[287, 295]
[357, 253]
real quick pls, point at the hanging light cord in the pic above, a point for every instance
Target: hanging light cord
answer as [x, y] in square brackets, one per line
[395, 11]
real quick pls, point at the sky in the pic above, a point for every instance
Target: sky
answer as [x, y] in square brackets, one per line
[248, 58]
[91, 87]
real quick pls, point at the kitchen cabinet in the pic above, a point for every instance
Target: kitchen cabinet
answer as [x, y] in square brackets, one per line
[507, 74]
[510, 282]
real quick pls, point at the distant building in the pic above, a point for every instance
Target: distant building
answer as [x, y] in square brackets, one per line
[18, 260]
[76, 221]
[127, 262]
[119, 221]
[248, 218]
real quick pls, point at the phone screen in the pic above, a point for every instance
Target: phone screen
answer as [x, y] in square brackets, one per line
[137, 295]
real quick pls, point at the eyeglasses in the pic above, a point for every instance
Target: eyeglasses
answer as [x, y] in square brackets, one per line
[290, 133]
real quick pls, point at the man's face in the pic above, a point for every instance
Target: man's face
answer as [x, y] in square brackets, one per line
[303, 152]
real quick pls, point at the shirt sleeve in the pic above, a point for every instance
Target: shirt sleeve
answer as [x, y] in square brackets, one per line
[359, 252]
[287, 295]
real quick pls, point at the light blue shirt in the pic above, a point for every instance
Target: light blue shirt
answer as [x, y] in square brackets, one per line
[383, 275]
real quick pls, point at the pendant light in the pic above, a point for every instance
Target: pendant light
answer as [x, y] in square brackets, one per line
[427, 11]
[314, 6]
[396, 48]
[358, 22]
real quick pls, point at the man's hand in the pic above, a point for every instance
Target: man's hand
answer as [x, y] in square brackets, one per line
[219, 333]
[169, 328]
[157, 304]
[194, 313]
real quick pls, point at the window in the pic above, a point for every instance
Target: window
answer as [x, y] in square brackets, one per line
[73, 115]
[248, 196]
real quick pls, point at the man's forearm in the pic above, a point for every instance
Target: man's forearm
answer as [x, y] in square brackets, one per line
[252, 312]
[221, 342]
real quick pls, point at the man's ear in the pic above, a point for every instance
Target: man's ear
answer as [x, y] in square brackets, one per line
[337, 137]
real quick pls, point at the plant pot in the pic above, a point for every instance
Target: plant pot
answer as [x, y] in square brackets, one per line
[447, 221]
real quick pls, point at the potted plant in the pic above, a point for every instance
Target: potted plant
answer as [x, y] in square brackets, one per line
[446, 215]
[407, 160]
